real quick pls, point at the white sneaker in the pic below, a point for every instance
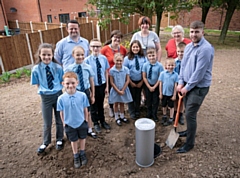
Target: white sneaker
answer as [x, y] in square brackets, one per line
[111, 114]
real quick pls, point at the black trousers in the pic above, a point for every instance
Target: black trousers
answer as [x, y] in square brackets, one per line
[134, 106]
[152, 101]
[97, 110]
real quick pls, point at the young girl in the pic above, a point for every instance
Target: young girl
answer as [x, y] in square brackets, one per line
[119, 93]
[47, 75]
[134, 62]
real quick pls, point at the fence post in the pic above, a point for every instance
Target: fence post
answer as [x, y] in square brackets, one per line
[61, 27]
[31, 26]
[133, 22]
[98, 31]
[40, 34]
[87, 19]
[17, 24]
[168, 19]
[1, 63]
[92, 29]
[29, 48]
[45, 23]
[119, 24]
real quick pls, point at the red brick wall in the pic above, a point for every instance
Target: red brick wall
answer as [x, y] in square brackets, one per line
[28, 10]
[2, 21]
[213, 21]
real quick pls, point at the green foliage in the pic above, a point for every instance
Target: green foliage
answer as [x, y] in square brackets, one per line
[126, 44]
[27, 72]
[6, 77]
[18, 73]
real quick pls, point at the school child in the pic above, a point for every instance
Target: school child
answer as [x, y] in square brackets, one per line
[47, 75]
[99, 64]
[86, 82]
[180, 51]
[134, 62]
[72, 105]
[119, 93]
[167, 90]
[150, 72]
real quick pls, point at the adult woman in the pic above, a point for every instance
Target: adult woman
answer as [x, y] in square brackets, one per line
[111, 47]
[148, 39]
[178, 36]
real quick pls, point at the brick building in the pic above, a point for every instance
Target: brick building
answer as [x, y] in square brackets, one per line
[43, 10]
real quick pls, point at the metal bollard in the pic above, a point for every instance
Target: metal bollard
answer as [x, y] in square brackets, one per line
[145, 138]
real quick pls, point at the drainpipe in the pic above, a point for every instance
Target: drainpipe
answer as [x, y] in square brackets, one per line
[40, 11]
[4, 14]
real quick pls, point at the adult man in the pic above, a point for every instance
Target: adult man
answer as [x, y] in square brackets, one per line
[63, 51]
[194, 79]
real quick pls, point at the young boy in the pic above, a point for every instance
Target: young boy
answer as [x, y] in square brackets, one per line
[99, 64]
[167, 90]
[85, 76]
[150, 72]
[74, 114]
[180, 51]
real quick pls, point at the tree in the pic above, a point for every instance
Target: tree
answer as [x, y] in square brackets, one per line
[232, 5]
[205, 5]
[122, 8]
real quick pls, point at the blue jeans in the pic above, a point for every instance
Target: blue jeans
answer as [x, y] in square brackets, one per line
[49, 104]
[192, 101]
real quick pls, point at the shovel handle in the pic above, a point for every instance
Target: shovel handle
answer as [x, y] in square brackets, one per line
[178, 109]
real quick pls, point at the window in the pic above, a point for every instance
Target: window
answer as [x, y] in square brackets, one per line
[49, 18]
[82, 14]
[64, 18]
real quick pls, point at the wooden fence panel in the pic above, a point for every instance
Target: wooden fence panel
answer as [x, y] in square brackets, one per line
[86, 31]
[130, 24]
[52, 36]
[35, 41]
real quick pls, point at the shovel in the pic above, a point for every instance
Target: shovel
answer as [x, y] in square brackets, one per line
[173, 136]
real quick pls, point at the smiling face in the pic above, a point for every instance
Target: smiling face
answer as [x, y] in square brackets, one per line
[95, 47]
[177, 35]
[196, 34]
[46, 55]
[144, 27]
[180, 52]
[116, 40]
[135, 48]
[70, 85]
[170, 65]
[118, 60]
[152, 57]
[78, 54]
[73, 30]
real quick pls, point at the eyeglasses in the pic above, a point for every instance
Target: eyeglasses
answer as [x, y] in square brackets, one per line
[117, 37]
[95, 46]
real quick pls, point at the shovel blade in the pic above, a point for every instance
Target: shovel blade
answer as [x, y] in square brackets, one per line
[172, 138]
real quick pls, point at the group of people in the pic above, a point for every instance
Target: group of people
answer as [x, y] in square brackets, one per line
[89, 71]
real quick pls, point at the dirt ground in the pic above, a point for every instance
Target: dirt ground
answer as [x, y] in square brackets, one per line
[216, 152]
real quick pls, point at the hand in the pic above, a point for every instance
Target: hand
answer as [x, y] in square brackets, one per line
[106, 90]
[121, 92]
[173, 98]
[161, 96]
[179, 87]
[139, 85]
[92, 99]
[184, 91]
[151, 89]
[133, 84]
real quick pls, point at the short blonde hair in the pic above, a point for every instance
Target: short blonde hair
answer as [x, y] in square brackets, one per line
[169, 61]
[77, 47]
[117, 55]
[151, 50]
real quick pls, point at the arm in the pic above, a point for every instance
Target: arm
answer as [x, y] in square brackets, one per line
[86, 114]
[126, 83]
[160, 90]
[174, 92]
[92, 94]
[106, 76]
[113, 85]
[159, 51]
[139, 85]
[62, 117]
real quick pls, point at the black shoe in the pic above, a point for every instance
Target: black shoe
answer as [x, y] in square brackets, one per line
[118, 122]
[149, 116]
[183, 133]
[164, 120]
[170, 121]
[42, 148]
[97, 128]
[105, 125]
[125, 120]
[59, 145]
[185, 148]
[83, 159]
[181, 120]
[77, 162]
[137, 114]
[92, 134]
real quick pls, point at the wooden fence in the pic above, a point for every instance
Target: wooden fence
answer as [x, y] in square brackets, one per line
[18, 51]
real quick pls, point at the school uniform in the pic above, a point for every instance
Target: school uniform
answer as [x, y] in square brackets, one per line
[97, 110]
[177, 66]
[168, 83]
[49, 97]
[119, 79]
[72, 107]
[152, 97]
[136, 77]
